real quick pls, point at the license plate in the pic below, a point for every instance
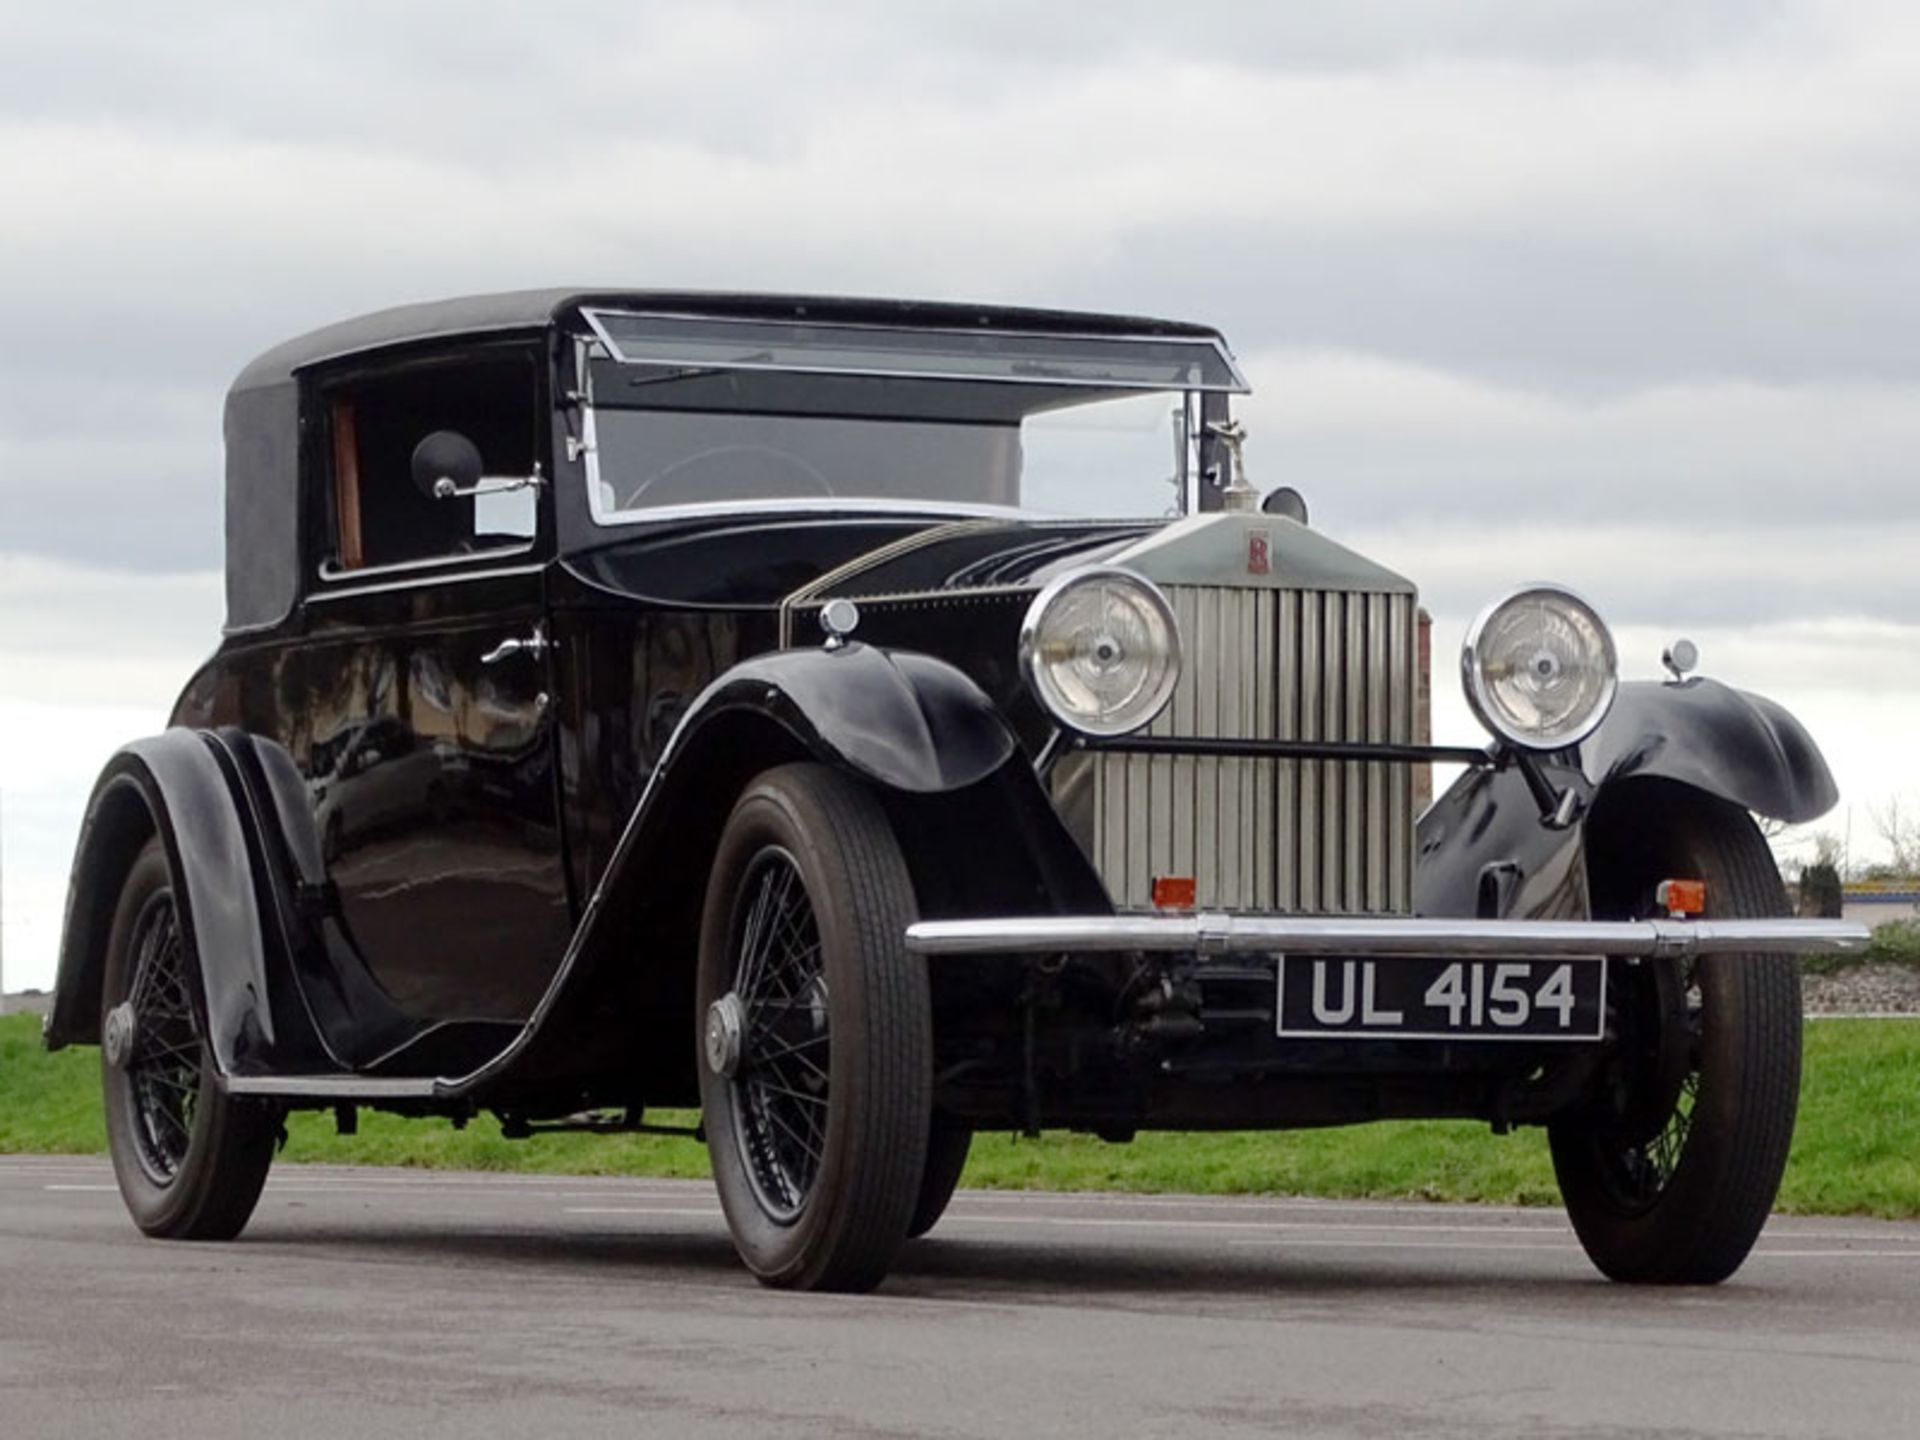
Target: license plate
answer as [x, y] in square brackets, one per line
[1427, 999]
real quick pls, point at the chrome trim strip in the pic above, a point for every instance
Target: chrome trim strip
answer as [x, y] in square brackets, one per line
[1400, 717]
[803, 505]
[334, 1087]
[949, 377]
[458, 577]
[862, 563]
[1269, 783]
[332, 573]
[1228, 934]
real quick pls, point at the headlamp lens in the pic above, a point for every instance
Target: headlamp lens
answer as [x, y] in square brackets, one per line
[1102, 651]
[1539, 668]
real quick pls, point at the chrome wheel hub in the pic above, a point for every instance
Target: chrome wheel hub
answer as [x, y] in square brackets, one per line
[117, 1035]
[726, 1034]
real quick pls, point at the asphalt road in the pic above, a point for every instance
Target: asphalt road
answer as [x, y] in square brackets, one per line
[373, 1303]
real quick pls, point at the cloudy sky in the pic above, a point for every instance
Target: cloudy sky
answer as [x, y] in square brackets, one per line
[1625, 294]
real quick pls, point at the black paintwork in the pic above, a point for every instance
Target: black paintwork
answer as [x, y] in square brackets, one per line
[184, 786]
[1735, 746]
[1485, 848]
[402, 861]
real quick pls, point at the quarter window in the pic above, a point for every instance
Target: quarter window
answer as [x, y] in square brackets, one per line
[378, 515]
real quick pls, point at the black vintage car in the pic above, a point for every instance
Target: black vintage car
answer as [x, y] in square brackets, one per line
[634, 700]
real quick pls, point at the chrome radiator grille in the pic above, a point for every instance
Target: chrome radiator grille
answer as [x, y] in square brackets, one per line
[1318, 836]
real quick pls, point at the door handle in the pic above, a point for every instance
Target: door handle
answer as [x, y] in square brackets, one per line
[534, 644]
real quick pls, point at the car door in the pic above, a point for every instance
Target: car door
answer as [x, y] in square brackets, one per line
[424, 677]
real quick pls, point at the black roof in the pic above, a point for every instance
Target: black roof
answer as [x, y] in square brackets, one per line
[534, 310]
[262, 411]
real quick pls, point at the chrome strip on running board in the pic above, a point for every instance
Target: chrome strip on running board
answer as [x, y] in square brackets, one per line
[343, 1089]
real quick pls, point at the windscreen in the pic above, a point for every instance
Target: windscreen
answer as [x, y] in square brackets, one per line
[692, 437]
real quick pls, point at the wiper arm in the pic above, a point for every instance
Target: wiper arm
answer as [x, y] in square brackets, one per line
[685, 372]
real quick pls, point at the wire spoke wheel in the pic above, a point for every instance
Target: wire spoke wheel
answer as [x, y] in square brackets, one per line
[1670, 1167]
[815, 1033]
[164, 1068]
[190, 1159]
[781, 1087]
[1637, 1168]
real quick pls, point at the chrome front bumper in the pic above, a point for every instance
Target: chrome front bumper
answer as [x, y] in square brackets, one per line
[1205, 933]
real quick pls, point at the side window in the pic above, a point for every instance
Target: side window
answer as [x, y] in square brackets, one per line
[380, 516]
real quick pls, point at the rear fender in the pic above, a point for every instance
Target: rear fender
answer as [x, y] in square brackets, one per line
[175, 785]
[187, 787]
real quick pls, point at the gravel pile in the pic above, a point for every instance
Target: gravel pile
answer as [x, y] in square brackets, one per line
[1878, 989]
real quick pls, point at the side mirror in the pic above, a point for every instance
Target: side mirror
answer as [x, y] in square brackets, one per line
[446, 464]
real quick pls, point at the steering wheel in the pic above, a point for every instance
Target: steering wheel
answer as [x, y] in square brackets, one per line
[668, 475]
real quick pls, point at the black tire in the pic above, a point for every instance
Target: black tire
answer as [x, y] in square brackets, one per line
[947, 1145]
[818, 1131]
[1669, 1177]
[189, 1158]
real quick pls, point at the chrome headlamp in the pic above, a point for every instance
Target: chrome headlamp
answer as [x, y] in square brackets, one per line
[1539, 668]
[1101, 649]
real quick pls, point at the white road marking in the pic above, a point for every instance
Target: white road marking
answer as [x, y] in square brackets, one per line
[1138, 1223]
[1088, 1222]
[1296, 1243]
[1758, 1254]
[712, 1213]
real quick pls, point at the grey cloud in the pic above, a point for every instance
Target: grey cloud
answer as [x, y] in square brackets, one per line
[125, 474]
[1547, 304]
[203, 188]
[1662, 570]
[450, 72]
[1373, 442]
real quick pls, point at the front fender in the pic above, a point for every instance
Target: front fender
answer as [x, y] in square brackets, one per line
[1485, 849]
[176, 785]
[908, 721]
[1735, 746]
[948, 769]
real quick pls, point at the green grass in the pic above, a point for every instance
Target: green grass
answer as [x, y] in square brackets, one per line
[1894, 942]
[1857, 1149]
[1897, 943]
[49, 1104]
